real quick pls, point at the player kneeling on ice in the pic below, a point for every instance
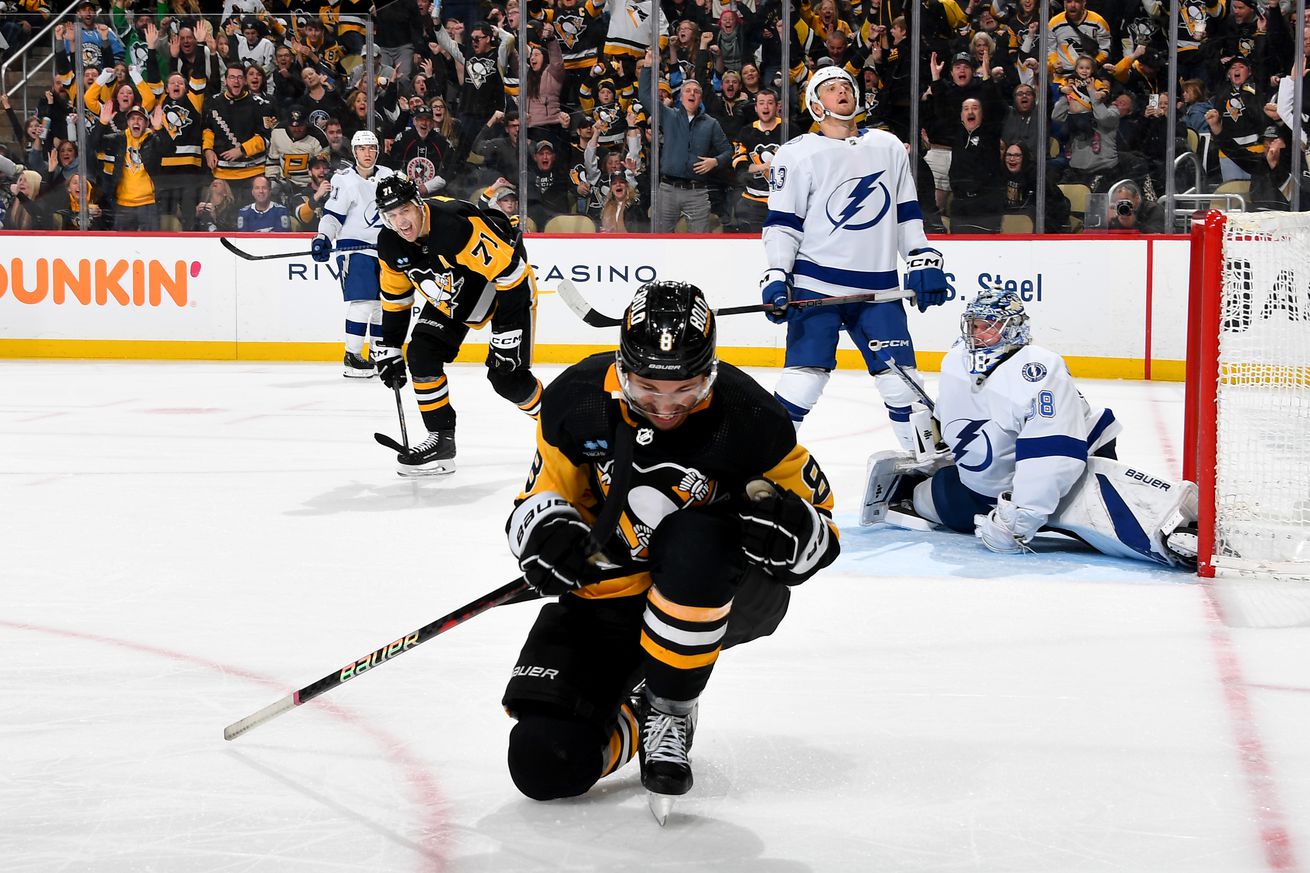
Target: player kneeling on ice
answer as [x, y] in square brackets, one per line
[1026, 452]
[669, 507]
[468, 266]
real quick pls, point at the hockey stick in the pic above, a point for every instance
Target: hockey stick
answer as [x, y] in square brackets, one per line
[584, 310]
[231, 247]
[383, 439]
[911, 384]
[504, 594]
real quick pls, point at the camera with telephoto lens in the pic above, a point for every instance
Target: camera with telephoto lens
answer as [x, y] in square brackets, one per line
[1124, 208]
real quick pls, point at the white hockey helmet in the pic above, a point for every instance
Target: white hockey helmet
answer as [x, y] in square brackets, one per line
[822, 77]
[363, 138]
[993, 325]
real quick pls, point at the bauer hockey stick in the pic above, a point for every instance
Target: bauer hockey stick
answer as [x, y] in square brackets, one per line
[584, 310]
[383, 439]
[376, 658]
[231, 247]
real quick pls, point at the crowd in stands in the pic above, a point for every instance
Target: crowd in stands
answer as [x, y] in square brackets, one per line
[235, 118]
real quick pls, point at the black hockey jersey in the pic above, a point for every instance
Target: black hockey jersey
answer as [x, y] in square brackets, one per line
[738, 433]
[468, 264]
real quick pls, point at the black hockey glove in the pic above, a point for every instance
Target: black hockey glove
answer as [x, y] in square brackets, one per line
[549, 539]
[782, 532]
[390, 366]
[505, 353]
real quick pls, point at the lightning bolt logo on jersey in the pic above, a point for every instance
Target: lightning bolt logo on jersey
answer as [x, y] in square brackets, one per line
[858, 204]
[968, 441]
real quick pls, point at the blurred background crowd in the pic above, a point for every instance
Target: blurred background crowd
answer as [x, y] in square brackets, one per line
[1018, 114]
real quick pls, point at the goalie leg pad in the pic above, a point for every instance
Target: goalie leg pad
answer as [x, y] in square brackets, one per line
[889, 477]
[1124, 511]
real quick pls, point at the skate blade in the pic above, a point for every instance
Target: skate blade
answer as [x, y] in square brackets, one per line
[441, 469]
[660, 806]
[359, 374]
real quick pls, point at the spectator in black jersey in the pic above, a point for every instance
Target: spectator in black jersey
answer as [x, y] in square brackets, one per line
[320, 101]
[423, 154]
[483, 91]
[550, 192]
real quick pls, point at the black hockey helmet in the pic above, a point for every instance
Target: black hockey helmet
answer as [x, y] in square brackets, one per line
[395, 191]
[668, 333]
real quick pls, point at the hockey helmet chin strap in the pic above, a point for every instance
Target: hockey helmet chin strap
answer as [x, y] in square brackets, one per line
[823, 77]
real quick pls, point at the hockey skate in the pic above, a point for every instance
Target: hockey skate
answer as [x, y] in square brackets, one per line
[667, 727]
[357, 368]
[1182, 544]
[435, 456]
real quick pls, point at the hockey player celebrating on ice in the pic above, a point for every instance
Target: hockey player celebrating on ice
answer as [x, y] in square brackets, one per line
[842, 204]
[350, 218]
[468, 267]
[1029, 454]
[637, 514]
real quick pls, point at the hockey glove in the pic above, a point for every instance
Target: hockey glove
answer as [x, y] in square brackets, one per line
[321, 249]
[1002, 530]
[924, 277]
[782, 532]
[775, 291]
[505, 352]
[549, 538]
[390, 366]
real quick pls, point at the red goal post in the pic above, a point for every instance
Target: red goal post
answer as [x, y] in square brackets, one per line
[1247, 425]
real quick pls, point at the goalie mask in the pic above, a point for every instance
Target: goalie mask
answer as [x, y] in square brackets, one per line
[993, 326]
[667, 335]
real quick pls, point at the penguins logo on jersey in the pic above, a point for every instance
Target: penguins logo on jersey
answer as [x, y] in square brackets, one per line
[442, 289]
[420, 170]
[972, 446]
[569, 28]
[177, 118]
[480, 70]
[858, 203]
[657, 491]
[319, 118]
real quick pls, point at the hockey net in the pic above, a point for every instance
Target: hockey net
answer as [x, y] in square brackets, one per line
[1248, 393]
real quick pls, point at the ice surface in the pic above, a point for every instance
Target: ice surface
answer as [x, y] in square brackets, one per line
[186, 542]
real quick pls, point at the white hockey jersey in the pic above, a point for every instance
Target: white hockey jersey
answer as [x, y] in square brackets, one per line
[350, 216]
[839, 212]
[1025, 429]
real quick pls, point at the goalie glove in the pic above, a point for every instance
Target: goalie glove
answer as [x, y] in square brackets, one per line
[1007, 529]
[775, 291]
[390, 366]
[925, 278]
[505, 351]
[782, 532]
[549, 539]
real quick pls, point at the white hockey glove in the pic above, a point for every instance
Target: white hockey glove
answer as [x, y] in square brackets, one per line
[1007, 529]
[390, 366]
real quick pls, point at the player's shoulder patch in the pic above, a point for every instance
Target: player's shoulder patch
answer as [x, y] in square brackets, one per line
[1033, 371]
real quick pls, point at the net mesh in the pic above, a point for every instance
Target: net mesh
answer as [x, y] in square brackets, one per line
[1262, 487]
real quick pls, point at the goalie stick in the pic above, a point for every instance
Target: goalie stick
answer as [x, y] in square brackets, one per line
[584, 310]
[232, 247]
[510, 591]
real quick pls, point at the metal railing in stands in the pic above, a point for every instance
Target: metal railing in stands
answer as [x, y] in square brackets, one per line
[25, 51]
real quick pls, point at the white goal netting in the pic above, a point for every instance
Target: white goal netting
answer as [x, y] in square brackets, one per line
[1262, 487]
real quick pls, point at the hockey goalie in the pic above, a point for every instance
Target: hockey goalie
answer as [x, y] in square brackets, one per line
[1022, 451]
